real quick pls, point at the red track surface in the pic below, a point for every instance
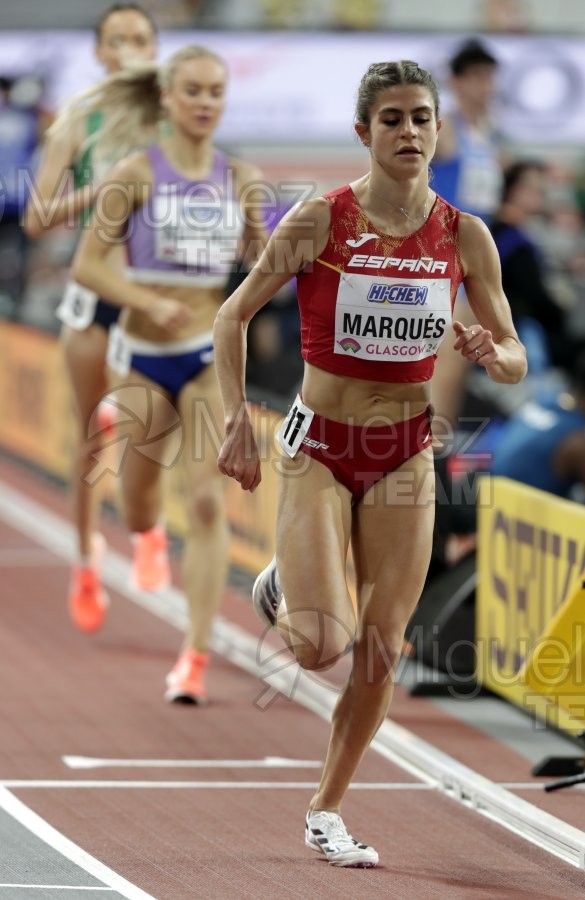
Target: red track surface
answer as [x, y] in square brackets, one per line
[64, 693]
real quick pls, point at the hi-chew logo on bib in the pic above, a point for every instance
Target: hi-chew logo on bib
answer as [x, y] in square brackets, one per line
[391, 320]
[408, 294]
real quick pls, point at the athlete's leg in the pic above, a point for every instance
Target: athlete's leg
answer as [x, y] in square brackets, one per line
[391, 541]
[206, 551]
[85, 356]
[318, 619]
[151, 425]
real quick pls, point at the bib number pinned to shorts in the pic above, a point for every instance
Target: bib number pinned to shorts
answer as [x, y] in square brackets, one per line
[119, 356]
[295, 427]
[77, 308]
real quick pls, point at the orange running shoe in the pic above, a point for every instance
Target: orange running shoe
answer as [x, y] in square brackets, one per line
[150, 567]
[186, 682]
[88, 602]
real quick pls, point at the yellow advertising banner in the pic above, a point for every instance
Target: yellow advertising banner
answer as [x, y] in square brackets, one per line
[37, 423]
[530, 619]
[35, 420]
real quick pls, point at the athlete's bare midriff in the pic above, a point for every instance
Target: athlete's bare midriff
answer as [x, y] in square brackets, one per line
[203, 302]
[354, 399]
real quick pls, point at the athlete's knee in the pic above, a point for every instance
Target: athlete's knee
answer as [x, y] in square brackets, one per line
[378, 656]
[314, 649]
[319, 658]
[206, 508]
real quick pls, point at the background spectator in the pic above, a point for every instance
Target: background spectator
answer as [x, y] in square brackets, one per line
[20, 99]
[467, 165]
[539, 319]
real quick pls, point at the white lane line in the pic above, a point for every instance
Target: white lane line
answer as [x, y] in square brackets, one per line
[37, 826]
[19, 783]
[395, 743]
[269, 762]
[55, 887]
[14, 783]
[538, 786]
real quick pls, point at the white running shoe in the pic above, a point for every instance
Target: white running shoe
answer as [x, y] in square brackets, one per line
[326, 833]
[267, 594]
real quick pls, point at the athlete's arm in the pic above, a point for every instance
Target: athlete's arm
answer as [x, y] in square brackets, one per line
[252, 197]
[125, 189]
[502, 353]
[295, 243]
[51, 201]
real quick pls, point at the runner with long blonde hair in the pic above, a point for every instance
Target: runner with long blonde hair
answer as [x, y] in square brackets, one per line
[185, 212]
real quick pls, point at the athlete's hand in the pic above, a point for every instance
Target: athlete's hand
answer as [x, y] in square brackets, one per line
[169, 315]
[475, 344]
[238, 457]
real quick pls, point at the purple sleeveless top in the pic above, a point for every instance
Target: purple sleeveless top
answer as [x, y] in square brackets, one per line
[187, 232]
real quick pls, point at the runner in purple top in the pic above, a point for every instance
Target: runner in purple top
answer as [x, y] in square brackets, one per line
[186, 213]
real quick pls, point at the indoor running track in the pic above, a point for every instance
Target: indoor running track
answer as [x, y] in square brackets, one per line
[106, 791]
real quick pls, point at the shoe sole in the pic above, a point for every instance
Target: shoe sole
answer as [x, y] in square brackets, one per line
[364, 864]
[181, 697]
[346, 864]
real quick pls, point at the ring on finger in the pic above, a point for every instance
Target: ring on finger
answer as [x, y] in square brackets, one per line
[477, 352]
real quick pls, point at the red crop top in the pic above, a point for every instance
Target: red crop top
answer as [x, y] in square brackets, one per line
[375, 306]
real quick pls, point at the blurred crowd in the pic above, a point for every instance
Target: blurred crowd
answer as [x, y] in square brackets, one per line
[515, 16]
[504, 16]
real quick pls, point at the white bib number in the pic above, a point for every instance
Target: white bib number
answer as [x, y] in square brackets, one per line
[119, 356]
[77, 308]
[295, 427]
[196, 232]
